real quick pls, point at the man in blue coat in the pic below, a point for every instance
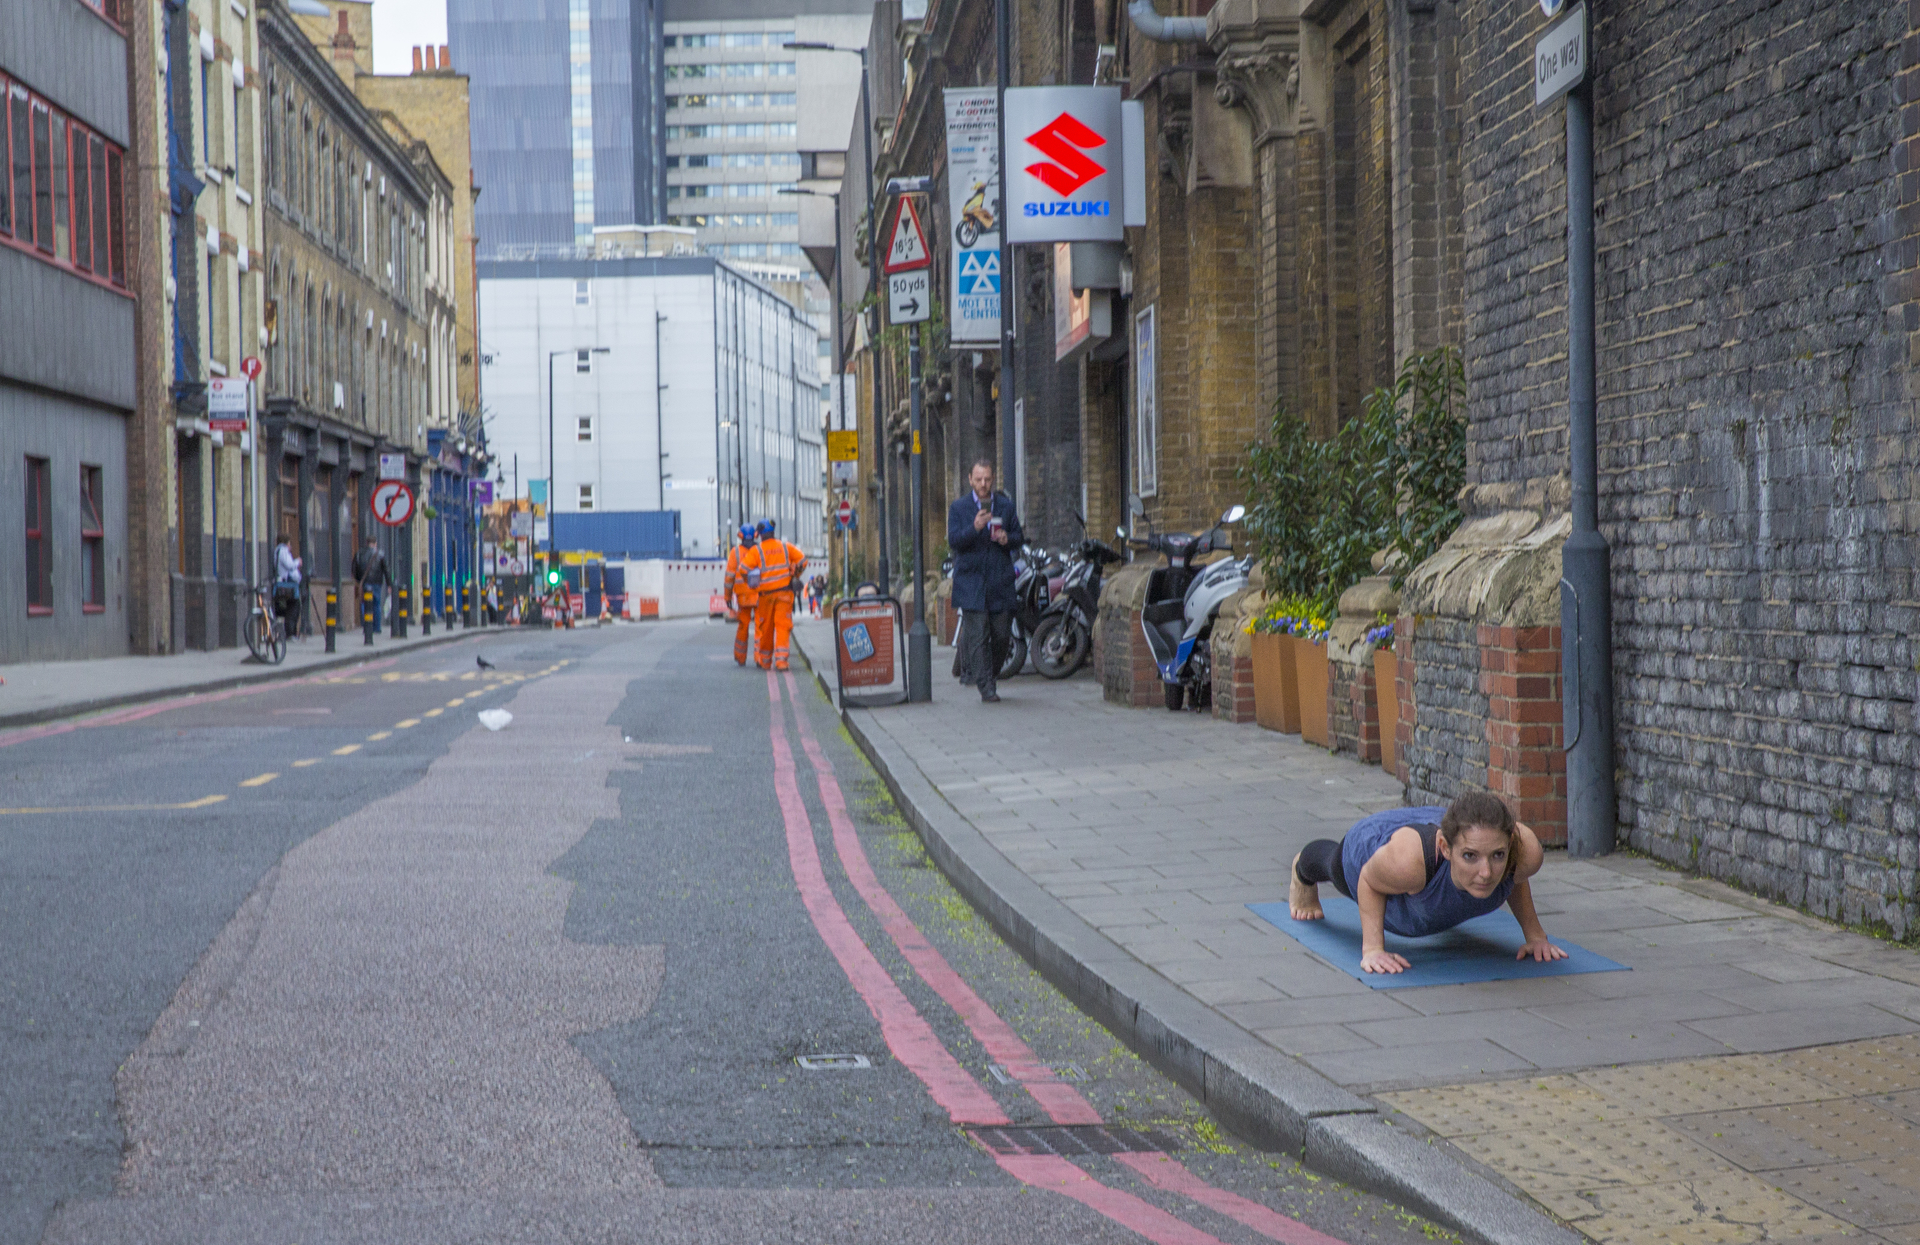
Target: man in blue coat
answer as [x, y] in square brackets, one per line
[982, 532]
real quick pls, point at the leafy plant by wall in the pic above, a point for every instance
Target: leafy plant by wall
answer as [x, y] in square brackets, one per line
[1319, 510]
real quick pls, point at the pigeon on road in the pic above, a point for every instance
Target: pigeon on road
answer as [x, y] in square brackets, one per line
[483, 663]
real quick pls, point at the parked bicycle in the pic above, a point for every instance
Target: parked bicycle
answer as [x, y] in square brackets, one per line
[265, 630]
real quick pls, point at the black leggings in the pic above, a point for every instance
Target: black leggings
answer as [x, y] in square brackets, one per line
[1320, 862]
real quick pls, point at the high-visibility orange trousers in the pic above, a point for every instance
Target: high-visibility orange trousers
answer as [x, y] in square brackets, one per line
[743, 638]
[775, 622]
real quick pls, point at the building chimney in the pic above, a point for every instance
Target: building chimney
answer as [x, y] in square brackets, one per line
[343, 42]
[416, 58]
[446, 58]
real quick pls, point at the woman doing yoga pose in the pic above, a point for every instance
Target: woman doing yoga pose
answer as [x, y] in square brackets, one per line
[1417, 871]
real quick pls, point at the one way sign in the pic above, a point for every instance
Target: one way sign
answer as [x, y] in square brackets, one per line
[909, 297]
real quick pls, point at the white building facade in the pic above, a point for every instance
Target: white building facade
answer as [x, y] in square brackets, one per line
[677, 383]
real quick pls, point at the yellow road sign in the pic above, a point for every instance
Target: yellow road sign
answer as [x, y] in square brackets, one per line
[843, 447]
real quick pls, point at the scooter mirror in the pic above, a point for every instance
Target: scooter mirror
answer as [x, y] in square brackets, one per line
[1234, 515]
[1121, 531]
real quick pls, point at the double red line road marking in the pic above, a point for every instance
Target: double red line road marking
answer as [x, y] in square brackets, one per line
[913, 1042]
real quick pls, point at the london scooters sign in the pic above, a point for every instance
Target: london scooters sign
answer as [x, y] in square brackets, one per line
[1066, 151]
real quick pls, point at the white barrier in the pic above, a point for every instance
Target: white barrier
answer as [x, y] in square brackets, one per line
[681, 588]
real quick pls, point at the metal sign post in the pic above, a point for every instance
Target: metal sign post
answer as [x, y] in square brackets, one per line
[1562, 69]
[910, 302]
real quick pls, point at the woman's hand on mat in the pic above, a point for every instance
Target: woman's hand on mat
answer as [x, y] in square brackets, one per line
[1387, 962]
[1540, 949]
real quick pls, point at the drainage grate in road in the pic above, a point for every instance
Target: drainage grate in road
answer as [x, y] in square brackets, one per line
[1036, 1073]
[832, 1063]
[1072, 1140]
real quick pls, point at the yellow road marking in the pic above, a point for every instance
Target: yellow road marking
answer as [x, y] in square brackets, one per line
[471, 674]
[340, 752]
[454, 704]
[259, 780]
[307, 762]
[433, 713]
[410, 722]
[379, 736]
[203, 802]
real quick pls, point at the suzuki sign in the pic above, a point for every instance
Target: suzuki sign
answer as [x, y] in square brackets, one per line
[1066, 149]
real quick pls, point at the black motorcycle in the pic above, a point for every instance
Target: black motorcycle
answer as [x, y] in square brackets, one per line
[1064, 636]
[1033, 570]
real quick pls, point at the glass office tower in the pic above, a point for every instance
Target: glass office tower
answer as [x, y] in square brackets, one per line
[567, 118]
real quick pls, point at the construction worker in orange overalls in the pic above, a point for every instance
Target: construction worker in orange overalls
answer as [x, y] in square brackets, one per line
[780, 566]
[743, 596]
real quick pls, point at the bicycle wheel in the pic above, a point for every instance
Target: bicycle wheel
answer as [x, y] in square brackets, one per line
[258, 631]
[276, 641]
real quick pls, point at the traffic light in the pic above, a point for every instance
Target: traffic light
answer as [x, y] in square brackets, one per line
[553, 577]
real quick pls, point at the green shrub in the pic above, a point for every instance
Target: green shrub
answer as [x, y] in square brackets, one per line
[1317, 511]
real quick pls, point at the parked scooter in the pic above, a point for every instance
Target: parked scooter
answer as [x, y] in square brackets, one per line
[1182, 602]
[1064, 637]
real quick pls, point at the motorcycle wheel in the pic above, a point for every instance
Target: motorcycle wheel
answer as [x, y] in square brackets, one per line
[1176, 692]
[1059, 646]
[1016, 658]
[967, 234]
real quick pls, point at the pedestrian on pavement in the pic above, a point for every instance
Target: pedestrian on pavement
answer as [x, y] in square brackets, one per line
[775, 567]
[370, 568]
[1418, 871]
[289, 573]
[983, 531]
[742, 596]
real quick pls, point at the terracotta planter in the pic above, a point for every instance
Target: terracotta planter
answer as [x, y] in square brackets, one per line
[1386, 669]
[1276, 696]
[1310, 672]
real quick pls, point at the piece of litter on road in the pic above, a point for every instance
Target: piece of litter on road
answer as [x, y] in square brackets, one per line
[494, 719]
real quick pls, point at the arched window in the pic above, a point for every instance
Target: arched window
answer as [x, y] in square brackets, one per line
[309, 331]
[276, 358]
[327, 373]
[269, 168]
[306, 164]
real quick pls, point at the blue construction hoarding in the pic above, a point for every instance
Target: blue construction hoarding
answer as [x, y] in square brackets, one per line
[620, 534]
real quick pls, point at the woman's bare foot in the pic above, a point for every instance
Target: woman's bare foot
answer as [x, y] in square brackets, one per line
[1303, 899]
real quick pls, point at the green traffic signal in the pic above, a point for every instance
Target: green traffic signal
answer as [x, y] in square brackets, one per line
[553, 575]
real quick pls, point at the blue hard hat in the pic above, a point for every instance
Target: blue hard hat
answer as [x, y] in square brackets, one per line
[746, 533]
[764, 527]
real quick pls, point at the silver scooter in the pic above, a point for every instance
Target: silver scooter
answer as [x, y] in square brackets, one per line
[1182, 602]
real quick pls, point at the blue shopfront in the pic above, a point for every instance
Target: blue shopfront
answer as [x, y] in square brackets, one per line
[455, 463]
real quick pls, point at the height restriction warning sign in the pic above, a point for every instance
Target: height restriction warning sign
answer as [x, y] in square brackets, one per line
[908, 250]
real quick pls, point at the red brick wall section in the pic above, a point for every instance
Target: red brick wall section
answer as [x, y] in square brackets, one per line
[1353, 711]
[1232, 679]
[1520, 677]
[1403, 680]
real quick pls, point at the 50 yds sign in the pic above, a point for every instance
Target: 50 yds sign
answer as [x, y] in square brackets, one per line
[392, 502]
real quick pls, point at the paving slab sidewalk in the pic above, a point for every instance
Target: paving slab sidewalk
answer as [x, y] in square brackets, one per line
[40, 691]
[1693, 1098]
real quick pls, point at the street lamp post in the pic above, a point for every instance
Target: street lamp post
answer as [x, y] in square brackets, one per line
[553, 555]
[839, 352]
[873, 269]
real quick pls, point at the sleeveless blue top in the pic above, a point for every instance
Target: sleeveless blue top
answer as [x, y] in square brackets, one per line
[1437, 906]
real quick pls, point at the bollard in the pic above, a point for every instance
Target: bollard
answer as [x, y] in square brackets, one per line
[466, 605]
[333, 616]
[426, 611]
[366, 615]
[398, 627]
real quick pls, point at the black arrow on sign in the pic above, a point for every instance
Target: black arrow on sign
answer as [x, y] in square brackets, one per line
[913, 305]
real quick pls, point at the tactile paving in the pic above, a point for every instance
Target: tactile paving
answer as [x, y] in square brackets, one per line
[1721, 1210]
[1501, 1106]
[1604, 1154]
[1728, 1083]
[1875, 1066]
[1884, 1191]
[1841, 1130]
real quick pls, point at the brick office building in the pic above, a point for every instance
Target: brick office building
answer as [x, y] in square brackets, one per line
[351, 366]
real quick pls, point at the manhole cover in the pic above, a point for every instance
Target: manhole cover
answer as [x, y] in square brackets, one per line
[1036, 1073]
[1072, 1140]
[832, 1063]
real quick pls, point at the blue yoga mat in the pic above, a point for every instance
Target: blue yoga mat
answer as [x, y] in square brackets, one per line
[1478, 950]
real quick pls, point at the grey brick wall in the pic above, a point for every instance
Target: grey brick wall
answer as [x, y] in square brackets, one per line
[1449, 750]
[1755, 446]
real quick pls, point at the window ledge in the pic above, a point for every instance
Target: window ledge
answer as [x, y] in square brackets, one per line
[92, 609]
[212, 174]
[39, 611]
[240, 193]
